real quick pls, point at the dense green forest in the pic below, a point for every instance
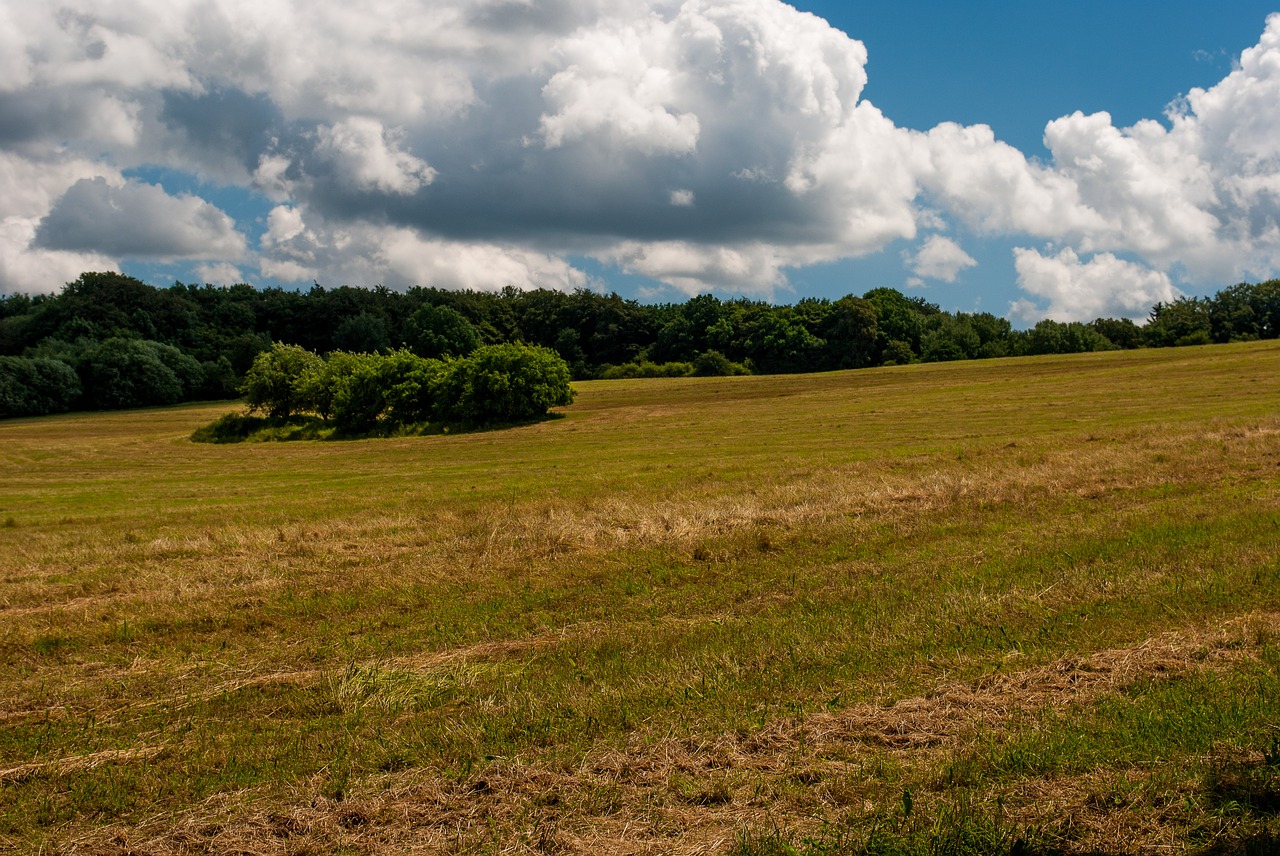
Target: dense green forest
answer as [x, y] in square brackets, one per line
[110, 341]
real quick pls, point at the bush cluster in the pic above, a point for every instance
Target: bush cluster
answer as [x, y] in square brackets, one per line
[365, 393]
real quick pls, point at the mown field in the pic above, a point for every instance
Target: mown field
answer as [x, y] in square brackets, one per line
[1030, 605]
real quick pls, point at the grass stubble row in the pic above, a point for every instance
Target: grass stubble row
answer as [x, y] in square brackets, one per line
[1034, 596]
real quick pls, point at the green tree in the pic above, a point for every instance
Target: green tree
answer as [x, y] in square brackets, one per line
[363, 333]
[1072, 337]
[277, 381]
[359, 393]
[36, 386]
[502, 383]
[439, 331]
[120, 373]
[1185, 321]
[408, 382]
[898, 318]
[949, 337]
[851, 332]
[712, 363]
[1121, 332]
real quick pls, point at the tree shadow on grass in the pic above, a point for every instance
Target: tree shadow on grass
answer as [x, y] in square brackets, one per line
[248, 428]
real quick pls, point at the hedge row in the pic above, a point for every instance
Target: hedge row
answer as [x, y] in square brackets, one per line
[368, 393]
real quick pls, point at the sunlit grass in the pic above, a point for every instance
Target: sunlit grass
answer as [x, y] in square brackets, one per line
[690, 611]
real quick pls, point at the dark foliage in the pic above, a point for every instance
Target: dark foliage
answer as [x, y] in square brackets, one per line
[199, 342]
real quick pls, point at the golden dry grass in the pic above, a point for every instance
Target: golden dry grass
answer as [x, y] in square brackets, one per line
[686, 609]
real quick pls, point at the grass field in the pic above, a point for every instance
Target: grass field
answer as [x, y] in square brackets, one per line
[953, 608]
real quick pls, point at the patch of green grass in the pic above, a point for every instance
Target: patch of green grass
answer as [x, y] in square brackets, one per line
[685, 583]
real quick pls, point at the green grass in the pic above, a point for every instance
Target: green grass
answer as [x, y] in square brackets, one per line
[1039, 595]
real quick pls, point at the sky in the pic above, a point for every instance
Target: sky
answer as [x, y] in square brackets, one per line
[1047, 159]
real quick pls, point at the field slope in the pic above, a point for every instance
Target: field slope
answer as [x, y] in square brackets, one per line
[1030, 600]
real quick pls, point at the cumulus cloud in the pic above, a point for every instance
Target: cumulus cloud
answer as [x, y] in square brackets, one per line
[939, 258]
[293, 250]
[708, 144]
[1076, 290]
[368, 157]
[138, 220]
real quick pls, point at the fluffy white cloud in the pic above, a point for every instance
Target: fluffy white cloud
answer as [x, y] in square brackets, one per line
[1202, 194]
[620, 83]
[219, 273]
[691, 268]
[1075, 290]
[367, 157]
[31, 188]
[35, 271]
[294, 251]
[704, 143]
[939, 258]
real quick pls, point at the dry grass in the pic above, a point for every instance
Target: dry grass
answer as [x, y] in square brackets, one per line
[687, 609]
[691, 796]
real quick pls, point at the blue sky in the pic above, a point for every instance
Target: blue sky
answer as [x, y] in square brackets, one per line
[1015, 66]
[659, 149]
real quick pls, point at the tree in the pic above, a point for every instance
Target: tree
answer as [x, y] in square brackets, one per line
[277, 381]
[438, 331]
[408, 382]
[36, 386]
[1120, 332]
[1072, 337]
[1185, 321]
[712, 363]
[898, 318]
[949, 337]
[502, 383]
[359, 394]
[364, 332]
[120, 373]
[851, 332]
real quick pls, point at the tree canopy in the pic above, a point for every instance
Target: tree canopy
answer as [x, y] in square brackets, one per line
[131, 344]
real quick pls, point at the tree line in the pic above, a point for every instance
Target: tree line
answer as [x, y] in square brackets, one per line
[111, 341]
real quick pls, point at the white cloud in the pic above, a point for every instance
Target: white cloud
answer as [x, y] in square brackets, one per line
[283, 225]
[939, 258]
[397, 257]
[368, 157]
[35, 271]
[30, 190]
[754, 270]
[618, 82]
[992, 187]
[682, 198]
[704, 143]
[219, 273]
[1104, 286]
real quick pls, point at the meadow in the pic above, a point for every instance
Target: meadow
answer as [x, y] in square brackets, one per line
[1024, 605]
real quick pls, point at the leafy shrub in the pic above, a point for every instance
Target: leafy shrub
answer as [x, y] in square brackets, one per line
[715, 364]
[502, 383]
[408, 381]
[232, 428]
[359, 396]
[277, 381]
[646, 369]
